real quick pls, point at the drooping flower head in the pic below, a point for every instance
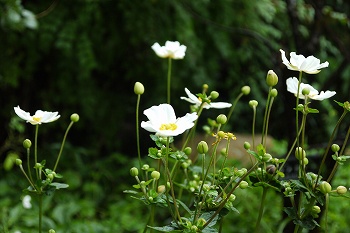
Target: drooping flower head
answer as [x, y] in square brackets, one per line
[172, 49]
[197, 101]
[292, 86]
[310, 65]
[162, 121]
[38, 118]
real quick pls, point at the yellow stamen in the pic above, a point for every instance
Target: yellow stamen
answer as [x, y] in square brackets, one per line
[37, 119]
[170, 126]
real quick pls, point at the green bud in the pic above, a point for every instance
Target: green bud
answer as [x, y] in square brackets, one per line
[38, 166]
[52, 231]
[201, 222]
[273, 92]
[300, 153]
[139, 89]
[145, 167]
[150, 199]
[305, 91]
[271, 78]
[335, 147]
[214, 95]
[253, 103]
[245, 90]
[325, 187]
[266, 157]
[205, 87]
[27, 143]
[244, 184]
[202, 147]
[134, 171]
[246, 145]
[188, 150]
[232, 197]
[341, 190]
[223, 152]
[18, 162]
[316, 209]
[50, 176]
[306, 161]
[74, 117]
[161, 189]
[221, 119]
[155, 175]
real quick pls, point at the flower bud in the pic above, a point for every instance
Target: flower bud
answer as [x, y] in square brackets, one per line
[201, 222]
[316, 209]
[305, 91]
[27, 143]
[221, 119]
[335, 147]
[155, 175]
[50, 176]
[253, 103]
[271, 78]
[221, 134]
[341, 190]
[205, 87]
[214, 95]
[273, 92]
[188, 150]
[74, 117]
[245, 90]
[202, 147]
[139, 89]
[52, 231]
[271, 169]
[145, 167]
[305, 161]
[134, 171]
[244, 184]
[325, 187]
[232, 197]
[246, 145]
[300, 153]
[161, 189]
[18, 162]
[266, 157]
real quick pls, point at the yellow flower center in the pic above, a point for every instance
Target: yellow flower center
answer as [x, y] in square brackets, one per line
[170, 126]
[37, 119]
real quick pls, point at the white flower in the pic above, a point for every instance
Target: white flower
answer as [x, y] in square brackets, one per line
[163, 121]
[310, 65]
[39, 116]
[197, 101]
[292, 86]
[172, 49]
[26, 202]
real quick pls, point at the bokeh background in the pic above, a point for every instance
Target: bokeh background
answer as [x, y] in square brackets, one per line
[84, 56]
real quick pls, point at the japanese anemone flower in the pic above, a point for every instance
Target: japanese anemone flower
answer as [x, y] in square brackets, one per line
[197, 102]
[38, 118]
[162, 121]
[172, 49]
[310, 65]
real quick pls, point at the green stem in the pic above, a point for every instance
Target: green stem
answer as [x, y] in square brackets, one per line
[326, 213]
[267, 121]
[296, 107]
[28, 164]
[36, 149]
[40, 211]
[233, 106]
[265, 116]
[137, 130]
[62, 145]
[169, 81]
[25, 174]
[261, 209]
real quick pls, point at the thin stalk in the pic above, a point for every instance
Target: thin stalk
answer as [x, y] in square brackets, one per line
[36, 149]
[28, 164]
[190, 134]
[253, 125]
[296, 107]
[265, 115]
[261, 209]
[62, 145]
[233, 106]
[340, 153]
[137, 130]
[25, 174]
[169, 80]
[40, 211]
[267, 120]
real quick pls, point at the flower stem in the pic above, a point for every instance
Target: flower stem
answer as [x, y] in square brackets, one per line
[40, 211]
[233, 106]
[36, 149]
[28, 164]
[25, 174]
[169, 80]
[62, 145]
[261, 209]
[137, 130]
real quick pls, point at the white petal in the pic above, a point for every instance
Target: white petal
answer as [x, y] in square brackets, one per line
[220, 105]
[324, 95]
[22, 114]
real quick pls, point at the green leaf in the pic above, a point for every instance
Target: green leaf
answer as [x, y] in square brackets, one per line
[59, 185]
[312, 110]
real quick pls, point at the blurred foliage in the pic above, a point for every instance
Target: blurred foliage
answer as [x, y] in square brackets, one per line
[85, 56]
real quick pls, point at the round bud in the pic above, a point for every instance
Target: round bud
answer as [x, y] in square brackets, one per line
[52, 231]
[18, 162]
[341, 190]
[38, 166]
[145, 167]
[244, 184]
[134, 171]
[214, 95]
[27, 143]
[246, 145]
[266, 157]
[50, 176]
[306, 161]
[150, 199]
[325, 187]
[245, 90]
[221, 119]
[305, 91]
[274, 92]
[205, 87]
[271, 78]
[155, 175]
[139, 89]
[202, 147]
[300, 153]
[316, 209]
[271, 169]
[253, 103]
[188, 150]
[161, 189]
[232, 197]
[335, 147]
[223, 152]
[74, 117]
